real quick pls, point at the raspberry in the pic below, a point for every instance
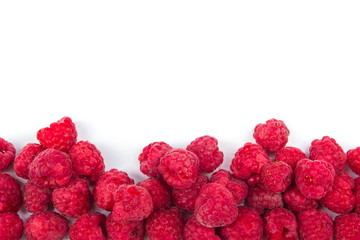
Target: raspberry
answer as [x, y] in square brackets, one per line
[165, 224]
[357, 195]
[185, 198]
[36, 199]
[297, 202]
[159, 191]
[10, 193]
[277, 176]
[150, 158]
[11, 226]
[272, 136]
[46, 226]
[26, 156]
[88, 226]
[314, 178]
[247, 226]
[315, 225]
[74, 199]
[51, 168]
[290, 155]
[87, 160]
[347, 227]
[179, 168]
[280, 224]
[328, 150]
[215, 206]
[207, 150]
[261, 198]
[7, 154]
[132, 203]
[353, 159]
[124, 230]
[106, 186]
[193, 230]
[249, 159]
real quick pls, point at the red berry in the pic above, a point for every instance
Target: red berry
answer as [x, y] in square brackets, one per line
[277, 176]
[193, 230]
[357, 195]
[290, 155]
[353, 159]
[150, 158]
[36, 199]
[315, 225]
[124, 230]
[280, 224]
[159, 191]
[11, 226]
[10, 193]
[7, 154]
[26, 156]
[347, 227]
[297, 202]
[261, 198]
[88, 226]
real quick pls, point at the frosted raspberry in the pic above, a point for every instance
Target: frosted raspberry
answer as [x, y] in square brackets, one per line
[277, 176]
[88, 226]
[280, 224]
[297, 202]
[36, 199]
[357, 195]
[150, 158]
[61, 135]
[290, 155]
[347, 227]
[7, 154]
[11, 226]
[215, 206]
[132, 203]
[87, 160]
[10, 193]
[193, 230]
[261, 198]
[185, 198]
[124, 230]
[73, 199]
[248, 226]
[314, 178]
[272, 136]
[165, 224]
[249, 159]
[207, 150]
[179, 168]
[159, 191]
[46, 226]
[329, 151]
[315, 225]
[51, 168]
[353, 159]
[106, 186]
[26, 156]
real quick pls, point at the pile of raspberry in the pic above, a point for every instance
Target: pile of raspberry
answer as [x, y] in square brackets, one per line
[271, 191]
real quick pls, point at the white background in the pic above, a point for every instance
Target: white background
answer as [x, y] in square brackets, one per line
[132, 72]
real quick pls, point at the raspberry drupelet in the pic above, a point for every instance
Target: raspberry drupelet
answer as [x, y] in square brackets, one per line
[277, 176]
[10, 193]
[25, 157]
[315, 225]
[280, 224]
[36, 199]
[124, 230]
[193, 230]
[11, 226]
[7, 154]
[159, 191]
[89, 226]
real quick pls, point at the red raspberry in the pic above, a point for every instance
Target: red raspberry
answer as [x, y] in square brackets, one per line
[272, 136]
[193, 230]
[261, 198]
[328, 150]
[340, 199]
[36, 199]
[150, 158]
[51, 168]
[124, 230]
[74, 199]
[132, 203]
[61, 135]
[88, 226]
[277, 176]
[26, 156]
[297, 202]
[87, 160]
[353, 159]
[106, 186]
[11, 226]
[249, 159]
[10, 193]
[357, 195]
[347, 227]
[7, 154]
[280, 224]
[185, 198]
[290, 155]
[315, 225]
[46, 226]
[314, 178]
[215, 206]
[159, 191]
[207, 150]
[165, 224]
[248, 226]
[179, 168]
